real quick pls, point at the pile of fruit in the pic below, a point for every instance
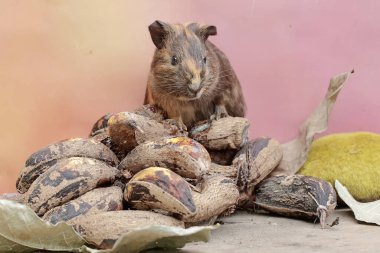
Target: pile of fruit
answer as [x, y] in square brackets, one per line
[139, 168]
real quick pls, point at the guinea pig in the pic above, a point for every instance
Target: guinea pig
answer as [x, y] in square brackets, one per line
[190, 78]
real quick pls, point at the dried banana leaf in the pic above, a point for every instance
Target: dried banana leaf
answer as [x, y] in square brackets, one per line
[21, 230]
[295, 151]
[368, 212]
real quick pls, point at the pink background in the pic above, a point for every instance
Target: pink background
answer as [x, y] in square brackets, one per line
[65, 63]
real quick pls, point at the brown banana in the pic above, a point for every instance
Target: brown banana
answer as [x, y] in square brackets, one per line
[297, 196]
[182, 155]
[251, 164]
[216, 195]
[224, 170]
[67, 180]
[104, 137]
[255, 161]
[46, 157]
[95, 201]
[149, 111]
[103, 229]
[160, 188]
[127, 130]
[224, 133]
[100, 125]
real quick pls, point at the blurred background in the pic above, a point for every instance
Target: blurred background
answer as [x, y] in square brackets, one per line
[65, 63]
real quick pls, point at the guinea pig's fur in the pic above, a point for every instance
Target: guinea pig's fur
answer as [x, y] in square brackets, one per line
[190, 78]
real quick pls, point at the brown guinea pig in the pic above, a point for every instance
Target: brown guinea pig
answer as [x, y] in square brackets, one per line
[190, 78]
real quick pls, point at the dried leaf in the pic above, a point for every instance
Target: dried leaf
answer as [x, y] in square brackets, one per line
[295, 151]
[21, 230]
[157, 237]
[367, 212]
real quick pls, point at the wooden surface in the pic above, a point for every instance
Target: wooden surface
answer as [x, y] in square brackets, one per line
[250, 233]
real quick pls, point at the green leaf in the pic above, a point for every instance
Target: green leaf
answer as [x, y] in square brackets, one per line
[157, 237]
[368, 212]
[21, 230]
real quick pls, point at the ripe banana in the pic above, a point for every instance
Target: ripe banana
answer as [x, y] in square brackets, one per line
[67, 180]
[160, 188]
[45, 158]
[182, 155]
[95, 201]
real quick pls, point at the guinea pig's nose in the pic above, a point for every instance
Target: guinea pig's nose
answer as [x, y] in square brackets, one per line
[195, 86]
[195, 82]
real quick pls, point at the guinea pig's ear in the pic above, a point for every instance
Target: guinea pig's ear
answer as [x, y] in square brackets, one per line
[158, 31]
[206, 30]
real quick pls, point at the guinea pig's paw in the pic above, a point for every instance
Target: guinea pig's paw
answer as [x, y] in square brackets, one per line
[182, 127]
[220, 112]
[178, 123]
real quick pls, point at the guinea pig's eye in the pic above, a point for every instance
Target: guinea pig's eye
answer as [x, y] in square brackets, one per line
[174, 60]
[204, 60]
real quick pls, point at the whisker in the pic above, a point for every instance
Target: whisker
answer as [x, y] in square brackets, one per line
[219, 77]
[225, 70]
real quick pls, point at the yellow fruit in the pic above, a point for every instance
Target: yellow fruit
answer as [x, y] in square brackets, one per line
[352, 158]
